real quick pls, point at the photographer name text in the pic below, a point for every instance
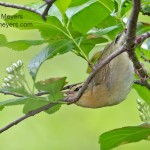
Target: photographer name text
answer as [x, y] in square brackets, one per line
[14, 21]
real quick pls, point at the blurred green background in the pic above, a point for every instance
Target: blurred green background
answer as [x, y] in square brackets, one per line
[72, 127]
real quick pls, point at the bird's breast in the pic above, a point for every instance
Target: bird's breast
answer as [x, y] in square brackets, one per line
[113, 87]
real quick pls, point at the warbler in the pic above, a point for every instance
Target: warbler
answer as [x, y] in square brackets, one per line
[112, 83]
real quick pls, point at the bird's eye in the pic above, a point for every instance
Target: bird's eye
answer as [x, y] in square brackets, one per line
[77, 89]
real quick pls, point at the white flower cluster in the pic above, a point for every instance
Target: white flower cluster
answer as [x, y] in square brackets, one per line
[144, 111]
[14, 75]
[14, 67]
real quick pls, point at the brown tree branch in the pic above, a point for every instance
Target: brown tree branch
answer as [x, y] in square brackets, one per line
[139, 69]
[29, 114]
[21, 7]
[49, 4]
[140, 39]
[132, 23]
[130, 42]
[9, 93]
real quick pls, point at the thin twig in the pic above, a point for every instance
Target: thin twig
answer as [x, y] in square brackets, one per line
[140, 70]
[9, 93]
[139, 82]
[49, 4]
[142, 38]
[21, 7]
[132, 23]
[29, 114]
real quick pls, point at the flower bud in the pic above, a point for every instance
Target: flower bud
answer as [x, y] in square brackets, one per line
[9, 70]
[4, 85]
[17, 77]
[6, 80]
[19, 63]
[8, 85]
[139, 108]
[10, 77]
[15, 66]
[22, 74]
[142, 117]
[139, 101]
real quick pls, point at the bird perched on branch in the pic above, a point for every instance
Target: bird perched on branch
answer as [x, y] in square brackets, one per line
[112, 83]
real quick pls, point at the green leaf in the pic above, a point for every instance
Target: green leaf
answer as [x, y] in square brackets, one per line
[96, 14]
[15, 101]
[21, 45]
[125, 7]
[121, 7]
[104, 31]
[79, 2]
[74, 10]
[33, 104]
[63, 5]
[142, 28]
[111, 22]
[54, 11]
[144, 2]
[52, 85]
[53, 109]
[90, 41]
[2, 39]
[1, 108]
[54, 30]
[55, 96]
[109, 5]
[115, 8]
[143, 92]
[146, 9]
[117, 137]
[56, 48]
[143, 54]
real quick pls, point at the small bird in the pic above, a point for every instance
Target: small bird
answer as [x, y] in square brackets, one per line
[112, 83]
